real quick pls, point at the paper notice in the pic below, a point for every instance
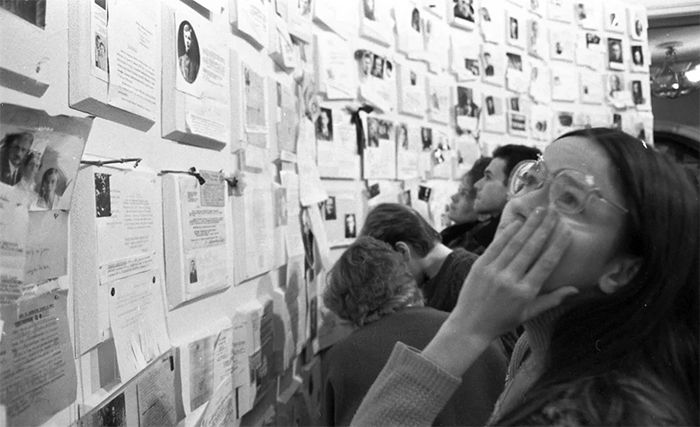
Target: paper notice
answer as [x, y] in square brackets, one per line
[252, 19]
[311, 190]
[220, 409]
[295, 244]
[37, 371]
[204, 237]
[47, 246]
[14, 220]
[137, 319]
[259, 225]
[133, 57]
[98, 34]
[127, 203]
[379, 154]
[156, 394]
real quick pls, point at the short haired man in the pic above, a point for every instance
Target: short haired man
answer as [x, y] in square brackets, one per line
[438, 270]
[466, 223]
[370, 286]
[491, 191]
[14, 149]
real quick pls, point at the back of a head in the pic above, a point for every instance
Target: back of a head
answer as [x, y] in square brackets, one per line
[393, 223]
[648, 329]
[513, 154]
[368, 282]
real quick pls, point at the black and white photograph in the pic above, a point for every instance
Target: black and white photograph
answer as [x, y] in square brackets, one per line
[615, 57]
[413, 78]
[350, 226]
[513, 28]
[113, 414]
[378, 67]
[324, 125]
[592, 40]
[426, 136]
[192, 269]
[514, 103]
[402, 136]
[490, 105]
[307, 237]
[465, 102]
[366, 59]
[637, 56]
[188, 52]
[373, 132]
[615, 85]
[415, 19]
[368, 8]
[615, 16]
[463, 11]
[617, 121]
[329, 207]
[637, 93]
[103, 198]
[515, 61]
[472, 66]
[32, 11]
[373, 190]
[533, 38]
[405, 197]
[100, 52]
[424, 193]
[488, 65]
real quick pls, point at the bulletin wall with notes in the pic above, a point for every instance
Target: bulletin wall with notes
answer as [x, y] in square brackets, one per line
[178, 177]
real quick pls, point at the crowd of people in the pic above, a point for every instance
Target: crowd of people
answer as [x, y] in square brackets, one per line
[564, 293]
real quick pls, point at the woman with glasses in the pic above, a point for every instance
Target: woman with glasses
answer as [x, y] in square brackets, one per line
[597, 255]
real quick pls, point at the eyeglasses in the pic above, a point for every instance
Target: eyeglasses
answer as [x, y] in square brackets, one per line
[569, 190]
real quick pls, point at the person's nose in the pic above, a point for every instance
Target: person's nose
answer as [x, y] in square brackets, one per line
[455, 197]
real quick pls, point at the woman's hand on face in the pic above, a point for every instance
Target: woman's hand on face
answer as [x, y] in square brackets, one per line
[502, 289]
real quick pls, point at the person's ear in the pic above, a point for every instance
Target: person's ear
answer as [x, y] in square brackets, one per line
[404, 250]
[619, 273]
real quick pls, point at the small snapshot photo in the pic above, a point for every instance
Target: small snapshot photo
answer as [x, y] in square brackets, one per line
[373, 132]
[368, 9]
[426, 136]
[465, 102]
[514, 104]
[373, 190]
[534, 35]
[615, 57]
[515, 61]
[378, 67]
[192, 268]
[615, 16]
[413, 78]
[188, 52]
[514, 33]
[415, 20]
[350, 226]
[637, 24]
[638, 93]
[324, 125]
[424, 193]
[103, 199]
[402, 136]
[329, 209]
[101, 52]
[472, 66]
[637, 57]
[616, 85]
[463, 13]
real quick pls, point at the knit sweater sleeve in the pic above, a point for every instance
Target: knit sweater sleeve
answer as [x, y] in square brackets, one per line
[410, 391]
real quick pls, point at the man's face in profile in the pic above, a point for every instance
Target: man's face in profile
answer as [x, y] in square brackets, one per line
[187, 36]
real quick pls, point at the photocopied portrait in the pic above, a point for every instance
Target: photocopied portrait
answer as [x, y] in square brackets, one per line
[324, 125]
[637, 94]
[192, 267]
[100, 52]
[350, 226]
[188, 52]
[402, 136]
[615, 58]
[464, 10]
[637, 56]
[329, 207]
[368, 7]
[426, 136]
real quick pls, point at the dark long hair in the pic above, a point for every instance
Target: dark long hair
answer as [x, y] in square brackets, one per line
[632, 357]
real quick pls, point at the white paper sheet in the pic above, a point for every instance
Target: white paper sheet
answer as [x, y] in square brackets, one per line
[156, 393]
[14, 220]
[47, 246]
[407, 150]
[337, 145]
[311, 191]
[252, 19]
[493, 114]
[564, 84]
[98, 34]
[137, 319]
[412, 93]
[439, 98]
[259, 224]
[127, 203]
[379, 154]
[133, 31]
[37, 370]
[336, 67]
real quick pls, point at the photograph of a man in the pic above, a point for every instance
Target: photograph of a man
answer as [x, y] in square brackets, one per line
[464, 9]
[329, 209]
[637, 56]
[488, 66]
[14, 148]
[378, 67]
[615, 51]
[637, 95]
[188, 52]
[513, 34]
[490, 108]
[193, 271]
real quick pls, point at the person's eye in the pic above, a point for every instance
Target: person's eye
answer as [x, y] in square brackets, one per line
[570, 199]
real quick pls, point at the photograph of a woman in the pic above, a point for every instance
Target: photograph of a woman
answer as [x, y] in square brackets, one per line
[188, 52]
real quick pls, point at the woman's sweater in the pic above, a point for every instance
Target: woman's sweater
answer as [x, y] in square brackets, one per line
[411, 390]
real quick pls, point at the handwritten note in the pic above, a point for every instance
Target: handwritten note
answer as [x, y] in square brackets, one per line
[47, 246]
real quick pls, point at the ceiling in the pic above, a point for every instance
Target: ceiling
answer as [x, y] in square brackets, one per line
[687, 39]
[670, 8]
